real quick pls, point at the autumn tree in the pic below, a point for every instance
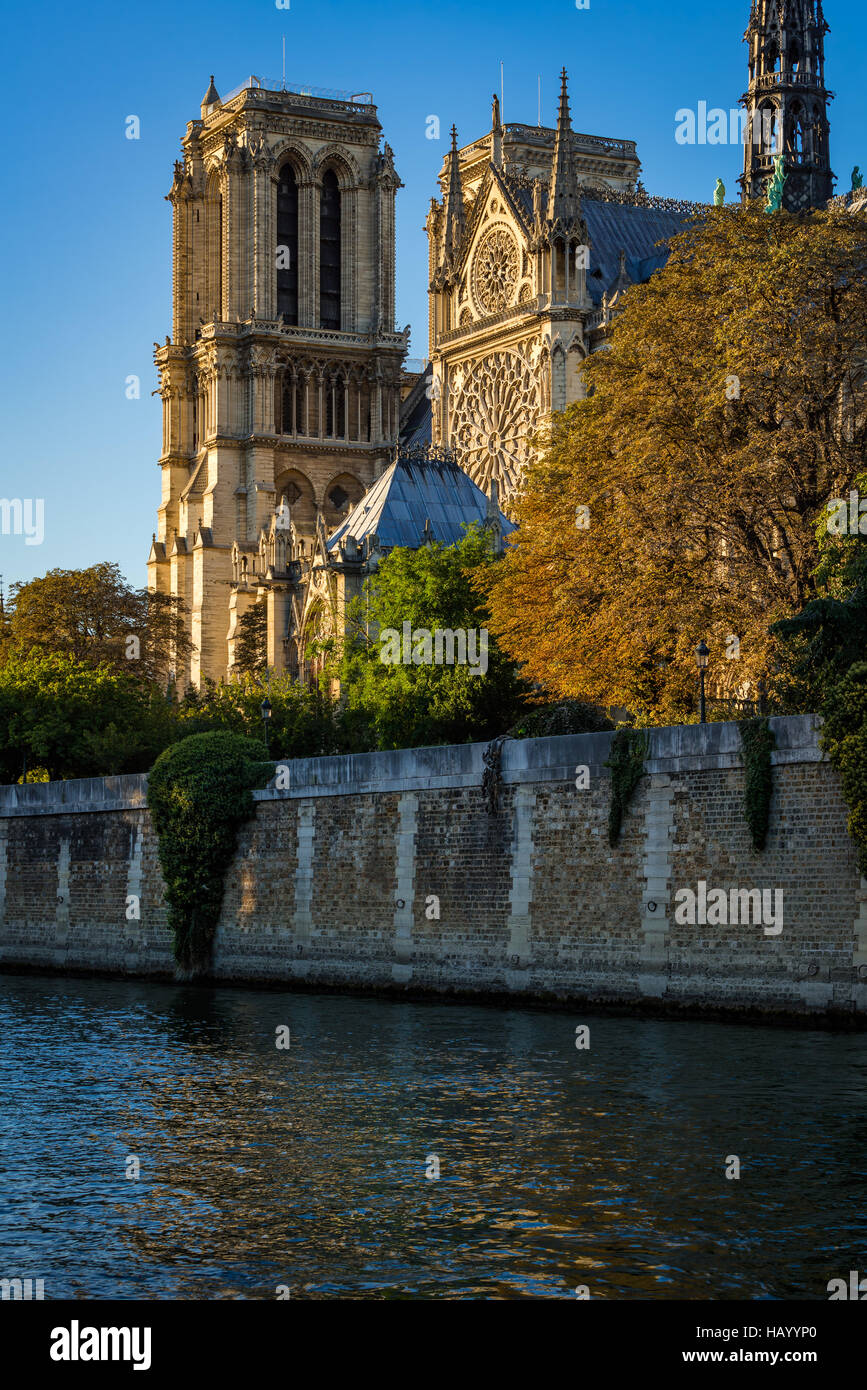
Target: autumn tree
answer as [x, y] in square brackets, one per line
[680, 500]
[94, 616]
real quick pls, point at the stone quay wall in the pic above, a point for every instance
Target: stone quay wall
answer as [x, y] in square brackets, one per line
[387, 871]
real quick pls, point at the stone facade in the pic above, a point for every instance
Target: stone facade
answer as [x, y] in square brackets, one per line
[536, 235]
[282, 380]
[388, 871]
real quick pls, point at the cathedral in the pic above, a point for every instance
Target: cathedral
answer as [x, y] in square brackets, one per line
[298, 448]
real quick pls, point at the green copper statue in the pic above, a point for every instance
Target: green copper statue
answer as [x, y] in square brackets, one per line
[776, 184]
[857, 179]
[719, 194]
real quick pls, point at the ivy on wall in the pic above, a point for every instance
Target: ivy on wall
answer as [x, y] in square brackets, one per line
[199, 793]
[629, 749]
[758, 742]
[844, 739]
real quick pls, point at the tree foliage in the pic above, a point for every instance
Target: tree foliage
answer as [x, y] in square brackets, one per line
[823, 666]
[304, 720]
[251, 643]
[77, 720]
[729, 408]
[94, 616]
[817, 646]
[399, 706]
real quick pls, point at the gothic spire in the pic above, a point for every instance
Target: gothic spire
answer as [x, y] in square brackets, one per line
[453, 221]
[787, 102]
[563, 197]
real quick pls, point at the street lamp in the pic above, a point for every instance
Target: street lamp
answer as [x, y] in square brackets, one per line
[702, 653]
[266, 715]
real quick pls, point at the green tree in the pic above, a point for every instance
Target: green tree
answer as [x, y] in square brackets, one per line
[303, 720]
[77, 720]
[817, 646]
[401, 706]
[251, 643]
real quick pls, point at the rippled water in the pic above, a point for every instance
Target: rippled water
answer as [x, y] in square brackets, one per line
[306, 1167]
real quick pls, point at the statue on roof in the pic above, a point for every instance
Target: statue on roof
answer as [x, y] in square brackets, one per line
[495, 112]
[776, 184]
[857, 179]
[719, 194]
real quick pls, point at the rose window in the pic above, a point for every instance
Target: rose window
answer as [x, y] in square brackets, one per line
[495, 413]
[495, 271]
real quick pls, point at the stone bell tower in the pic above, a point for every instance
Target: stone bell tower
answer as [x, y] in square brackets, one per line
[787, 102]
[281, 382]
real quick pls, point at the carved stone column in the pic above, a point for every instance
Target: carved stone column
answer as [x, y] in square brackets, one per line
[308, 253]
[264, 299]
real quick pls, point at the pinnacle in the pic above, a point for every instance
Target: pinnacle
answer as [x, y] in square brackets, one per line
[564, 120]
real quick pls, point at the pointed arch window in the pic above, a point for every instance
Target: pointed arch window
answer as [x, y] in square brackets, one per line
[329, 251]
[796, 133]
[212, 308]
[287, 244]
[767, 132]
[194, 400]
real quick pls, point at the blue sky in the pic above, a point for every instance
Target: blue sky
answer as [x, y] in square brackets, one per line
[86, 233]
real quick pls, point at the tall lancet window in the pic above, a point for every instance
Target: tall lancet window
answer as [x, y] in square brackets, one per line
[287, 244]
[329, 252]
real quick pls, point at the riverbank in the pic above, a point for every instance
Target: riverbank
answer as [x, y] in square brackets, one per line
[395, 872]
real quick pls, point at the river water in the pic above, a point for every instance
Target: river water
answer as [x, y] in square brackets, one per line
[303, 1168]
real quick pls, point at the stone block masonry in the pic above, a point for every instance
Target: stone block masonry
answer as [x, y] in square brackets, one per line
[387, 872]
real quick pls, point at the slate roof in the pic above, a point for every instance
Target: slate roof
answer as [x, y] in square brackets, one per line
[410, 492]
[613, 227]
[415, 413]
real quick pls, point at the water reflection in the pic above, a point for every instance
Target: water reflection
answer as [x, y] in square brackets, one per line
[306, 1167]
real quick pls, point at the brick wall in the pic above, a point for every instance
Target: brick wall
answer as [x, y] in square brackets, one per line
[387, 871]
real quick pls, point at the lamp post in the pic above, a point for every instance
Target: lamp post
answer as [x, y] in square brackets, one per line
[266, 715]
[702, 653]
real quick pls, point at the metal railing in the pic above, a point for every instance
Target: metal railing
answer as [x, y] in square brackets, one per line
[301, 89]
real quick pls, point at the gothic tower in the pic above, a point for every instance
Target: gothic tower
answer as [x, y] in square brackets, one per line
[281, 382]
[508, 288]
[787, 102]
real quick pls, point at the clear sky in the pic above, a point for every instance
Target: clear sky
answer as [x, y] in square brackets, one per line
[87, 234]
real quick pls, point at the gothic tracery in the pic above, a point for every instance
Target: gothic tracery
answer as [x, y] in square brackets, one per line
[494, 415]
[495, 270]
